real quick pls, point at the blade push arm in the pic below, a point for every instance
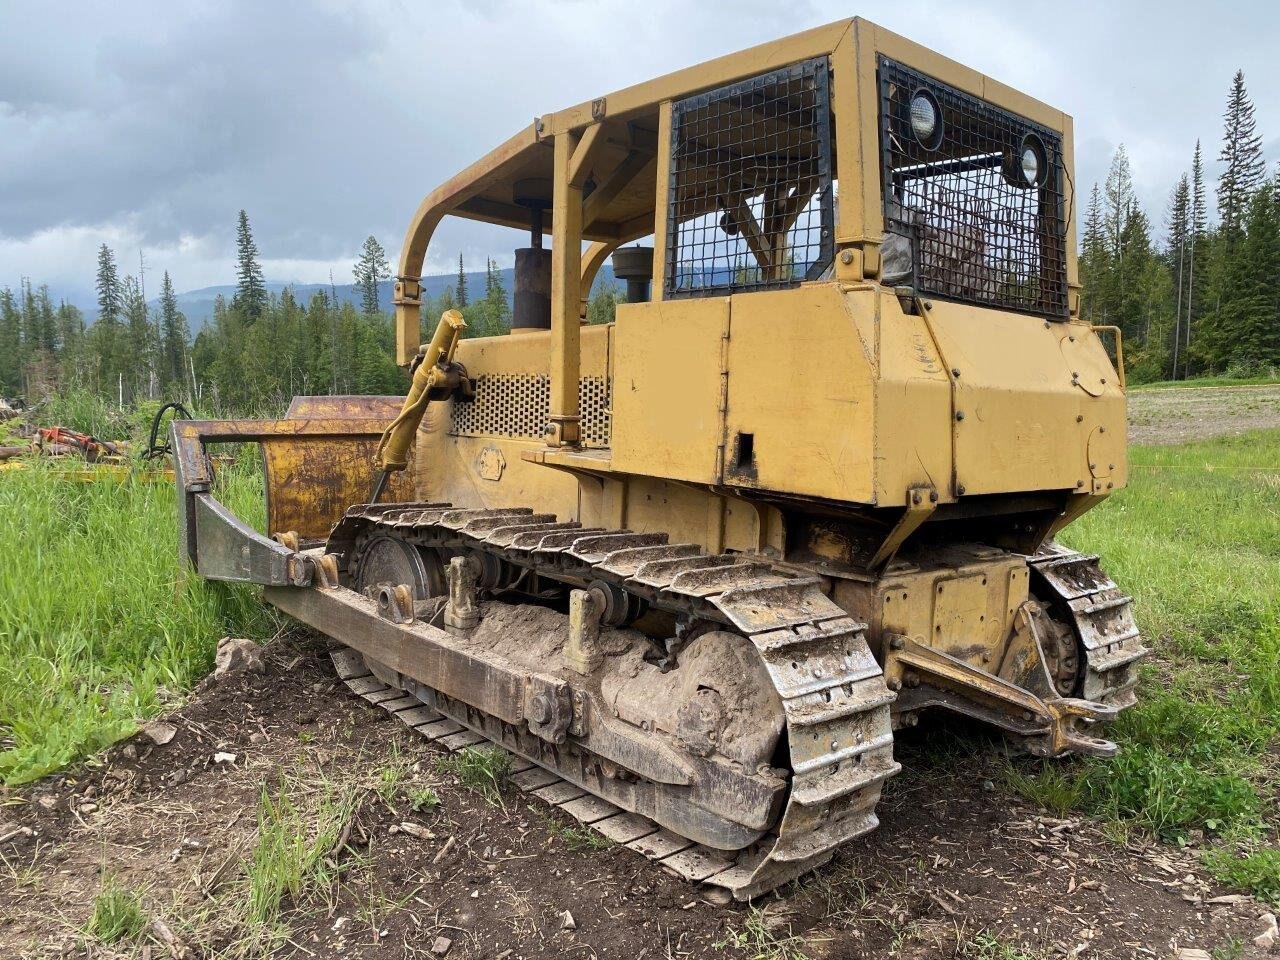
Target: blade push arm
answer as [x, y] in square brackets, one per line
[431, 373]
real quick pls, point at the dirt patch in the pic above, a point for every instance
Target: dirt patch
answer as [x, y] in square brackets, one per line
[1164, 415]
[957, 868]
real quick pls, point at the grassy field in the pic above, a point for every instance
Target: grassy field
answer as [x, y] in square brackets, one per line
[99, 629]
[1196, 540]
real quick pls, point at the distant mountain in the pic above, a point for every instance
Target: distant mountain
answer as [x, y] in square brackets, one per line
[197, 305]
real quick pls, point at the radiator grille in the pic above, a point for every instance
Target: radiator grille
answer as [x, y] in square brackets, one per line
[750, 187]
[977, 231]
[517, 406]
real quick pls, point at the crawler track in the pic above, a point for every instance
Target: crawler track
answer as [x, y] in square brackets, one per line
[835, 702]
[1103, 620]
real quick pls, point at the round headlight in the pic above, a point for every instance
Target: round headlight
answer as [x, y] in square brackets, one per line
[926, 121]
[1032, 163]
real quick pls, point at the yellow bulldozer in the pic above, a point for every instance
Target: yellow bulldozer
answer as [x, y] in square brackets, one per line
[694, 567]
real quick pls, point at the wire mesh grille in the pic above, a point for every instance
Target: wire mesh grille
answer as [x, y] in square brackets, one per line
[751, 199]
[978, 229]
[517, 406]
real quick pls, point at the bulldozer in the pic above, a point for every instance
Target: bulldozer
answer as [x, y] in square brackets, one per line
[693, 568]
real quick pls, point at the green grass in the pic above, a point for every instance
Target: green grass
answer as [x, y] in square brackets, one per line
[1258, 871]
[988, 945]
[580, 839]
[99, 626]
[423, 800]
[1196, 540]
[761, 940]
[483, 770]
[292, 859]
[117, 913]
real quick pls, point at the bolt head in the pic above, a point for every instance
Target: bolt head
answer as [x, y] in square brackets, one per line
[960, 489]
[846, 257]
[540, 709]
[959, 414]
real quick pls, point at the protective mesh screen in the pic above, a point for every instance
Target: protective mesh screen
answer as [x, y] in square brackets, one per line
[978, 232]
[517, 406]
[751, 203]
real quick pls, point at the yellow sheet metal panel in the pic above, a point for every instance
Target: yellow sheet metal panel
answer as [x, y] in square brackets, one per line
[961, 605]
[667, 390]
[488, 472]
[1021, 421]
[529, 353]
[913, 404]
[800, 388]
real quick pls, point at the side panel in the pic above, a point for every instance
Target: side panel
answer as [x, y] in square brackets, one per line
[800, 386]
[668, 418]
[1028, 396]
[913, 406]
[477, 462]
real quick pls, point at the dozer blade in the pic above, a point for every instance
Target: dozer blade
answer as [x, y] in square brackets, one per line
[317, 461]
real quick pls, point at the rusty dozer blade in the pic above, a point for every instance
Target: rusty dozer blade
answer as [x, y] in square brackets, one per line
[316, 462]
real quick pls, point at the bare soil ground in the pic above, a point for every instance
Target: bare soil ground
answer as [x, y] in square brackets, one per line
[958, 868]
[1178, 414]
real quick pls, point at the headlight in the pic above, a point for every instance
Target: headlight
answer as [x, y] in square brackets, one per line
[1033, 162]
[926, 119]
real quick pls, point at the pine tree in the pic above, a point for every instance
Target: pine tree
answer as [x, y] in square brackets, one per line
[139, 350]
[71, 358]
[10, 344]
[1120, 200]
[371, 267]
[1093, 257]
[251, 288]
[106, 335]
[460, 291]
[1242, 154]
[174, 336]
[603, 305]
[496, 309]
[1198, 222]
[1178, 224]
[1257, 341]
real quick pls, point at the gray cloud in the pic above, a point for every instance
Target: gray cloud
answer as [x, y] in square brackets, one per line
[149, 125]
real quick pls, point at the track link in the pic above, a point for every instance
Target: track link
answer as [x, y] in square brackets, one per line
[1103, 619]
[835, 701]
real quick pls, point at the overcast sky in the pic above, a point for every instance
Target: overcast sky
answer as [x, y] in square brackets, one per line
[148, 125]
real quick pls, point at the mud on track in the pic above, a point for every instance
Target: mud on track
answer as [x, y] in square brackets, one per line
[956, 867]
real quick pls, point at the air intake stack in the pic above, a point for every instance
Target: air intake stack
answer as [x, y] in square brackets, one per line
[531, 307]
[635, 265]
